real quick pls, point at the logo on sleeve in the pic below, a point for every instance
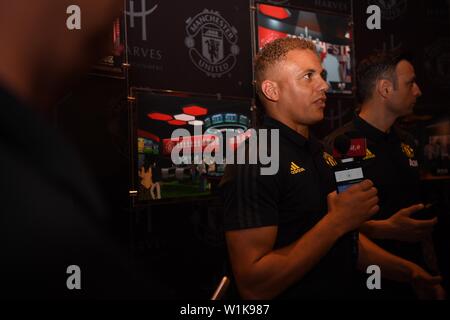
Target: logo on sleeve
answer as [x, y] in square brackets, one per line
[329, 159]
[296, 169]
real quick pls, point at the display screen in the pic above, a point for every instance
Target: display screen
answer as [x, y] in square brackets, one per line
[332, 35]
[170, 165]
[436, 148]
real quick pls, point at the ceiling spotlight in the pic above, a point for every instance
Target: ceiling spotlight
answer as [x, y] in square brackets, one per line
[176, 122]
[195, 110]
[159, 116]
[196, 123]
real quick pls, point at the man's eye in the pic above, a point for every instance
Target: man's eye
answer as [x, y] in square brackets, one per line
[308, 76]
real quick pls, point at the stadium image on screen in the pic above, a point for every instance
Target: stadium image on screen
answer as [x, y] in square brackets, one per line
[158, 116]
[332, 35]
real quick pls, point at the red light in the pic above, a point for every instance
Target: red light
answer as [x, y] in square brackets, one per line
[193, 144]
[195, 110]
[268, 35]
[274, 12]
[159, 116]
[176, 122]
[148, 135]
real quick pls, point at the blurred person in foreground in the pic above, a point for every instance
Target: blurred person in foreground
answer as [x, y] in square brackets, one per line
[51, 213]
[289, 234]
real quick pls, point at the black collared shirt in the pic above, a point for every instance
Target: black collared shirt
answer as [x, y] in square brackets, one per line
[294, 200]
[51, 215]
[392, 165]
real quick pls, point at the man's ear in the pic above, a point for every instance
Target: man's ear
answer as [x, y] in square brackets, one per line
[384, 88]
[270, 90]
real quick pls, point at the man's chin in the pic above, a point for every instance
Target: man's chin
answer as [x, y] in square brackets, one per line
[320, 116]
[409, 112]
[316, 120]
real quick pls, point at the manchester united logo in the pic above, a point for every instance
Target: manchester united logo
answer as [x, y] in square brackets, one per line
[212, 43]
[407, 150]
[329, 159]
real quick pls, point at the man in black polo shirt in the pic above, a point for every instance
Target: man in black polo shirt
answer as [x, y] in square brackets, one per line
[288, 234]
[388, 90]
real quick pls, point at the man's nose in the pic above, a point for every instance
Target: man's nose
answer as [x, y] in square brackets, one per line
[418, 92]
[324, 85]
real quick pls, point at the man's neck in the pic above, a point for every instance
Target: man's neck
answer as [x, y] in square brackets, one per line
[300, 129]
[377, 116]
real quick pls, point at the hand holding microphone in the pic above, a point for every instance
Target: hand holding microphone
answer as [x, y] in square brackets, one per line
[356, 199]
[354, 206]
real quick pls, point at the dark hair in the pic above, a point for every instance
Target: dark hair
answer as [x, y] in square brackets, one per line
[380, 65]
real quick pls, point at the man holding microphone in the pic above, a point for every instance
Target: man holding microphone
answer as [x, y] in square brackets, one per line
[290, 235]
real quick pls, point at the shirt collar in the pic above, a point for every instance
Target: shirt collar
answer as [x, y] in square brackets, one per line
[312, 143]
[372, 132]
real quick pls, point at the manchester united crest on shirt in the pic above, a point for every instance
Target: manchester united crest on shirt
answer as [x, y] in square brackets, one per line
[329, 159]
[407, 150]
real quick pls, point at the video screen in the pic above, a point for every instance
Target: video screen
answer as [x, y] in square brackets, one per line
[172, 165]
[332, 35]
[436, 151]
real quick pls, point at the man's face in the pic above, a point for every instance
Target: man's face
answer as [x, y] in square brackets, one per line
[403, 99]
[49, 55]
[301, 87]
[66, 54]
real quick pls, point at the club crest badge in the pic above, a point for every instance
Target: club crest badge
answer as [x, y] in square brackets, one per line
[212, 43]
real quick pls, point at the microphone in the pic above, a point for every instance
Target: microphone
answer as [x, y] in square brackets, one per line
[342, 144]
[349, 149]
[349, 145]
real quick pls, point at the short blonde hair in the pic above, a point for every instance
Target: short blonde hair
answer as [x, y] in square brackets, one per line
[274, 52]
